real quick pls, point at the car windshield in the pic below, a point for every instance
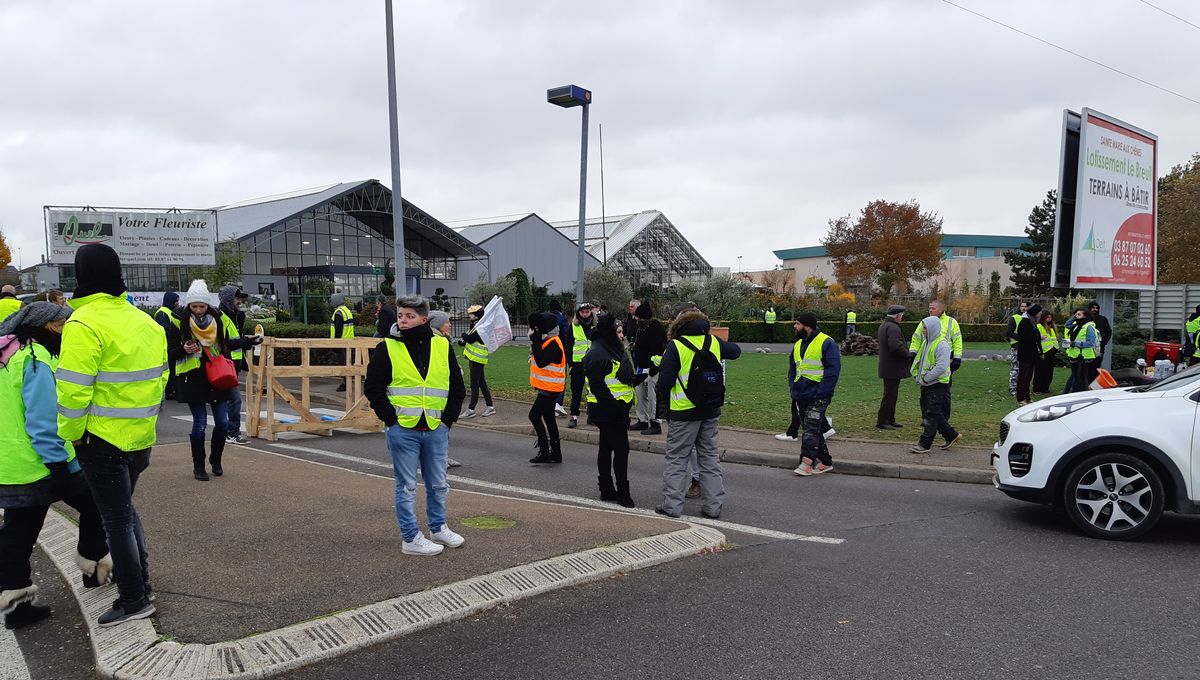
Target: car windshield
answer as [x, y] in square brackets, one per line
[1191, 376]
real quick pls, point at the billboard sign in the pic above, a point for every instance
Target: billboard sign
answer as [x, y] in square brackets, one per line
[139, 237]
[1115, 237]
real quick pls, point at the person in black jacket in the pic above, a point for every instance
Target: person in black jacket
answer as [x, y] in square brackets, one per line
[577, 343]
[231, 299]
[651, 342]
[1029, 351]
[165, 318]
[611, 380]
[1103, 327]
[385, 317]
[548, 377]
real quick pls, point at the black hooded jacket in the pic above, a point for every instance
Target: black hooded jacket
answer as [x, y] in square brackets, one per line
[418, 342]
[688, 323]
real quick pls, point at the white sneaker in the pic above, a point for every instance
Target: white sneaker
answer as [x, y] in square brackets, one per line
[785, 437]
[829, 434]
[447, 538]
[421, 546]
[489, 411]
[559, 411]
[469, 413]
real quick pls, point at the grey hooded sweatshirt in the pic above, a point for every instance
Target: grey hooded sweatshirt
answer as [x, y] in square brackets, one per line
[928, 373]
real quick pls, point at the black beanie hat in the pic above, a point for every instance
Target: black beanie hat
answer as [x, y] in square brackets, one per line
[643, 311]
[542, 323]
[807, 319]
[98, 270]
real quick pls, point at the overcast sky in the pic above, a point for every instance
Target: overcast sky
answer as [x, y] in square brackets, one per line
[748, 123]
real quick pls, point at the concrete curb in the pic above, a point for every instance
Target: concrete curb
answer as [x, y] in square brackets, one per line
[135, 651]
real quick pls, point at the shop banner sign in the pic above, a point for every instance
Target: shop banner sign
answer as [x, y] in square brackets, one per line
[162, 238]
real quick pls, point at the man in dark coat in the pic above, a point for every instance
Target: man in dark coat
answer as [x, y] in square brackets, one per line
[894, 366]
[1029, 350]
[1103, 327]
[651, 342]
[385, 317]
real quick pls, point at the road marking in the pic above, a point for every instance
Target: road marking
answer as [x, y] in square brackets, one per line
[577, 500]
[12, 661]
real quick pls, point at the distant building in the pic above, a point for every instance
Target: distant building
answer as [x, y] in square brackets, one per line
[967, 257]
[645, 248]
[41, 277]
[530, 243]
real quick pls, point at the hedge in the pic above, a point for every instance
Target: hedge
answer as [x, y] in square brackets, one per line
[756, 331]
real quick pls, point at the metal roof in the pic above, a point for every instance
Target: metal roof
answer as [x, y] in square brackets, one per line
[479, 233]
[241, 219]
[617, 230]
[948, 241]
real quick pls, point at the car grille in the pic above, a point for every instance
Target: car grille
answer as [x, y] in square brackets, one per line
[1003, 431]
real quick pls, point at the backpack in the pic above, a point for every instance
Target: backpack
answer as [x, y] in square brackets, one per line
[705, 386]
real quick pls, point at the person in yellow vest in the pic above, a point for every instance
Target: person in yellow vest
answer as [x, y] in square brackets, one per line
[233, 320]
[1043, 373]
[109, 384]
[582, 327]
[414, 384]
[9, 304]
[851, 322]
[1083, 351]
[769, 318]
[952, 332]
[932, 372]
[548, 378]
[611, 381]
[814, 367]
[165, 317]
[1192, 328]
[477, 356]
[37, 468]
[341, 326]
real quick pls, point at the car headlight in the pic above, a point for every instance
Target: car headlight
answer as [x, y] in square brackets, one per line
[1048, 413]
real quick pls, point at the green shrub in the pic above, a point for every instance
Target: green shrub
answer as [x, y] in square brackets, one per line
[756, 331]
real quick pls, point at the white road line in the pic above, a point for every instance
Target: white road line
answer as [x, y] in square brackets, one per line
[577, 500]
[12, 662]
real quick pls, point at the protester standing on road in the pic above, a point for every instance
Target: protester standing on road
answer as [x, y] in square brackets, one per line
[165, 317]
[341, 325]
[200, 338]
[1103, 327]
[582, 327]
[414, 384]
[548, 377]
[233, 320]
[564, 335]
[476, 353]
[1083, 352]
[1043, 374]
[813, 367]
[953, 335]
[894, 366]
[769, 318]
[692, 379]
[647, 352]
[1014, 321]
[9, 304]
[1029, 351]
[109, 384]
[37, 468]
[611, 381]
[932, 371]
[851, 322]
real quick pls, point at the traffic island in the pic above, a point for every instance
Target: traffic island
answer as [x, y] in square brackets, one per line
[281, 562]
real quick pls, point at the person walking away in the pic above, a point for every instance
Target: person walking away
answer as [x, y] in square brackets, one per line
[932, 372]
[952, 332]
[769, 318]
[9, 304]
[1043, 373]
[1083, 352]
[233, 320]
[165, 317]
[581, 341]
[1103, 327]
[647, 352]
[341, 325]
[1014, 321]
[548, 377]
[414, 384]
[564, 334]
[439, 321]
[691, 380]
[476, 353]
[611, 380]
[894, 366]
[814, 366]
[56, 296]
[37, 468]
[109, 384]
[851, 322]
[385, 316]
[201, 337]
[1029, 351]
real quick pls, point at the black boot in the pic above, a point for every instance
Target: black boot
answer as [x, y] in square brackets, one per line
[26, 613]
[198, 459]
[608, 492]
[218, 448]
[555, 451]
[654, 428]
[543, 453]
[623, 497]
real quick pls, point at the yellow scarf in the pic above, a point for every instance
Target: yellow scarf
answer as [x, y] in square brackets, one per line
[207, 337]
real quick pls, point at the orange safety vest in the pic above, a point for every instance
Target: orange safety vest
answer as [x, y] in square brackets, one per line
[552, 378]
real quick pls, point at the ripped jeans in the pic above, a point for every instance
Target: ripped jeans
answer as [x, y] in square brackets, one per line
[428, 449]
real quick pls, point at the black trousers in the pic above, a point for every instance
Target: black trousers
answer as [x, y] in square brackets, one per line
[113, 474]
[1043, 374]
[479, 382]
[812, 441]
[1083, 372]
[1025, 370]
[933, 414]
[22, 526]
[541, 415]
[577, 385]
[887, 405]
[612, 457]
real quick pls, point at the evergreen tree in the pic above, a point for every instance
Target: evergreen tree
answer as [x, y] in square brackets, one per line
[1031, 262]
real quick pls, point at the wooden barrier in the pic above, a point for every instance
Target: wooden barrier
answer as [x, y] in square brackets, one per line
[263, 387]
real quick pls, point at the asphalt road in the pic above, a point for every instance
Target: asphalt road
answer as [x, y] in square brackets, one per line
[933, 580]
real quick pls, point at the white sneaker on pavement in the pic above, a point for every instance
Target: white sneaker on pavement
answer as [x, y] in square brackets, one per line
[421, 546]
[559, 411]
[447, 538]
[237, 438]
[489, 411]
[469, 413]
[785, 437]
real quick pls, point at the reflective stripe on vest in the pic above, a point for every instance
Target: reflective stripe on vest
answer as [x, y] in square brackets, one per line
[582, 344]
[1087, 353]
[928, 359]
[111, 373]
[679, 399]
[19, 461]
[413, 396]
[619, 390]
[231, 333]
[476, 351]
[1049, 338]
[809, 365]
[347, 322]
[552, 377]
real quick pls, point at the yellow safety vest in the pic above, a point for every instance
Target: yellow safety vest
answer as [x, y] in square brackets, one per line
[476, 351]
[950, 331]
[809, 364]
[1088, 353]
[170, 316]
[620, 391]
[1016, 325]
[851, 317]
[927, 360]
[414, 396]
[232, 332]
[111, 373]
[347, 322]
[8, 307]
[679, 399]
[582, 344]
[1049, 338]
[770, 316]
[19, 461]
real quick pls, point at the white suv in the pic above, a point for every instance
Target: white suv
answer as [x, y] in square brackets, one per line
[1113, 459]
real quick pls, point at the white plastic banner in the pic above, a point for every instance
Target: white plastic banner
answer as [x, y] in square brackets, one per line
[494, 328]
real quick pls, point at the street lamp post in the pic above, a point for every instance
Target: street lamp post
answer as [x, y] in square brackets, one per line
[401, 266]
[568, 96]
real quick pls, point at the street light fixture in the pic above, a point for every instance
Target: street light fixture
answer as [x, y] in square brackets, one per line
[568, 96]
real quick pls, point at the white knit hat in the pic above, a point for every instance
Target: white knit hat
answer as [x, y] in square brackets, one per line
[198, 292]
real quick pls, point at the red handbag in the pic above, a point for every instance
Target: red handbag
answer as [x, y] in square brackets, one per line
[222, 374]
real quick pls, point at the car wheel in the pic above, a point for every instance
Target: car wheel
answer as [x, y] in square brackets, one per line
[1114, 495]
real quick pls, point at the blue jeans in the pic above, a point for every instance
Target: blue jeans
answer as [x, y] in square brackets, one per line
[200, 419]
[429, 448]
[233, 412]
[112, 474]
